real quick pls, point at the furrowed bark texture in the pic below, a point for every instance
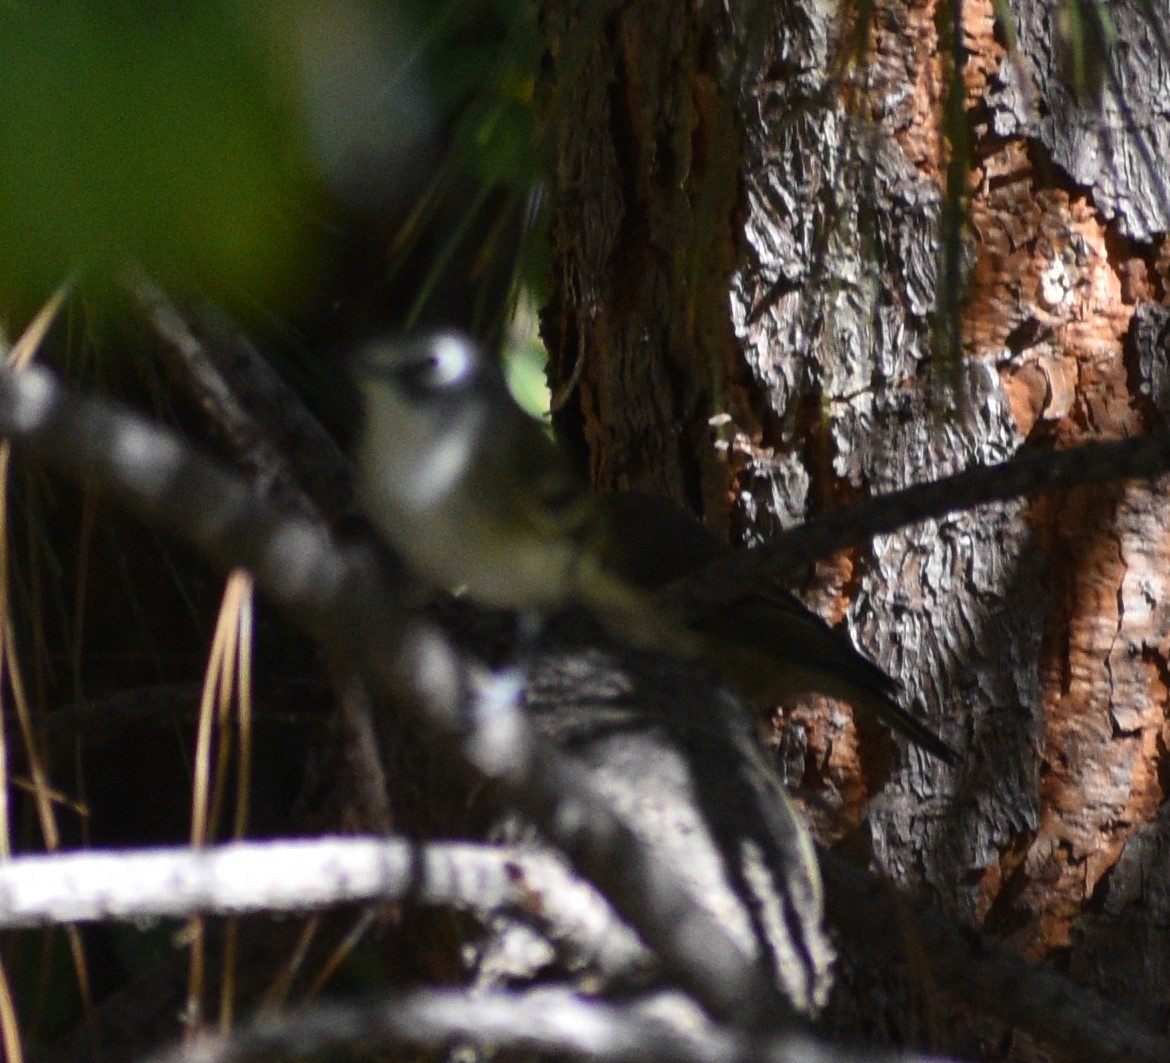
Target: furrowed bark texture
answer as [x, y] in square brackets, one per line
[747, 221]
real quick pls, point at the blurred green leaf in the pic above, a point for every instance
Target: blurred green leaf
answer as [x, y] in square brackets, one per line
[525, 365]
[1084, 36]
[151, 130]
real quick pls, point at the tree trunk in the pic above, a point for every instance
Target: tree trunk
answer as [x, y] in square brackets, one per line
[748, 223]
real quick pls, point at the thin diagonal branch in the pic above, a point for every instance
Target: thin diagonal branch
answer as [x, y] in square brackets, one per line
[266, 422]
[1142, 457]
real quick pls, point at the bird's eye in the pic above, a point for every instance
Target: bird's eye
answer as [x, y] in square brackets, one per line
[422, 367]
[444, 362]
[450, 360]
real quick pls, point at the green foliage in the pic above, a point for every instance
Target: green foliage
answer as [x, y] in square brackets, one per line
[481, 56]
[1084, 35]
[214, 140]
[524, 368]
[153, 131]
[493, 137]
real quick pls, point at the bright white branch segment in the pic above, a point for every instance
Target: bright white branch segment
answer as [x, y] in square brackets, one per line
[282, 876]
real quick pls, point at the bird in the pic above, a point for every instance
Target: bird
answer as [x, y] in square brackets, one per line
[470, 490]
[474, 494]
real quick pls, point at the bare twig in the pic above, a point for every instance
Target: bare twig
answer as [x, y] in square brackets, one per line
[265, 421]
[275, 436]
[238, 878]
[297, 876]
[542, 1021]
[1140, 458]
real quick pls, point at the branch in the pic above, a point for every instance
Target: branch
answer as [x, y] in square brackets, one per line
[265, 421]
[299, 876]
[268, 876]
[285, 450]
[243, 878]
[1139, 458]
[550, 1021]
[340, 597]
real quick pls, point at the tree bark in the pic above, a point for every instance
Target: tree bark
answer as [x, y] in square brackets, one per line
[748, 220]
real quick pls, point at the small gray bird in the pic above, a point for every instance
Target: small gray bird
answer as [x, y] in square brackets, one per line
[473, 493]
[471, 490]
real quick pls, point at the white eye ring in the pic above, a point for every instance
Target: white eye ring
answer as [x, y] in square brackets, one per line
[452, 360]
